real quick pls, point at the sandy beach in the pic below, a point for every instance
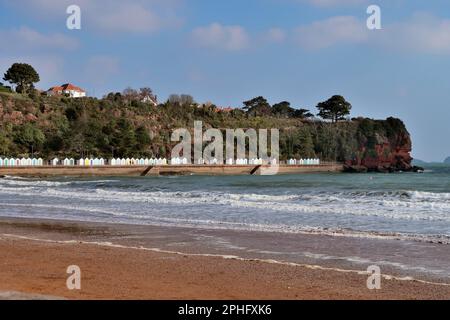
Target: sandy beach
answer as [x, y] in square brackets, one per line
[34, 257]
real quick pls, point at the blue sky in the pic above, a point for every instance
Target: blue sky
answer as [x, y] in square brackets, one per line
[226, 52]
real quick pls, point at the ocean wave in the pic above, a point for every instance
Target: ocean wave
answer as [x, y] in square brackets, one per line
[93, 214]
[28, 182]
[401, 205]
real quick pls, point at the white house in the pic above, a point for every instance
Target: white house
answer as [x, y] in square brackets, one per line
[67, 89]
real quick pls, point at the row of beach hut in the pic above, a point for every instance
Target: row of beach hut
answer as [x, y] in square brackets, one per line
[89, 162]
[23, 162]
[303, 162]
[139, 162]
[230, 162]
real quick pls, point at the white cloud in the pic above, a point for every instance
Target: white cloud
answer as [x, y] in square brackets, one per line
[217, 36]
[114, 15]
[330, 32]
[26, 39]
[334, 3]
[422, 33]
[130, 18]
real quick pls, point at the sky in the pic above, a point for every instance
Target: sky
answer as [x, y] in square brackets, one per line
[229, 51]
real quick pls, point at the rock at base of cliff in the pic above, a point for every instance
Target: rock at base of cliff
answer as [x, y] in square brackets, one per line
[355, 169]
[381, 169]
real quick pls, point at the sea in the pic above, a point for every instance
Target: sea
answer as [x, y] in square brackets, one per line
[400, 221]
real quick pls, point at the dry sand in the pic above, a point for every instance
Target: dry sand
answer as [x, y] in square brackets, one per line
[33, 267]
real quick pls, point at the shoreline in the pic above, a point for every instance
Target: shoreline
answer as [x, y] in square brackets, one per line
[142, 171]
[118, 262]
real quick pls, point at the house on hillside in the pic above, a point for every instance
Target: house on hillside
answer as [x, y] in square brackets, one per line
[149, 98]
[67, 89]
[224, 109]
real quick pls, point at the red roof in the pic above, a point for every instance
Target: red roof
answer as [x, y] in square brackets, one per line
[56, 89]
[67, 86]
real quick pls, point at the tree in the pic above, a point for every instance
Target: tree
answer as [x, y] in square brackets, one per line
[302, 114]
[334, 109]
[146, 95]
[143, 139]
[187, 100]
[283, 110]
[4, 144]
[174, 99]
[257, 107]
[23, 76]
[303, 143]
[181, 100]
[29, 136]
[130, 95]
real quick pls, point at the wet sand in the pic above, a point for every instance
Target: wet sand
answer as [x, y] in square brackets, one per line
[115, 264]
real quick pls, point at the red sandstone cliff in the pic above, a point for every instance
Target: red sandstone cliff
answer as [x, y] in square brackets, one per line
[385, 147]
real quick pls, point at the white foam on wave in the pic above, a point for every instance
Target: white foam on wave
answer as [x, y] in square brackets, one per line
[119, 216]
[397, 206]
[142, 207]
